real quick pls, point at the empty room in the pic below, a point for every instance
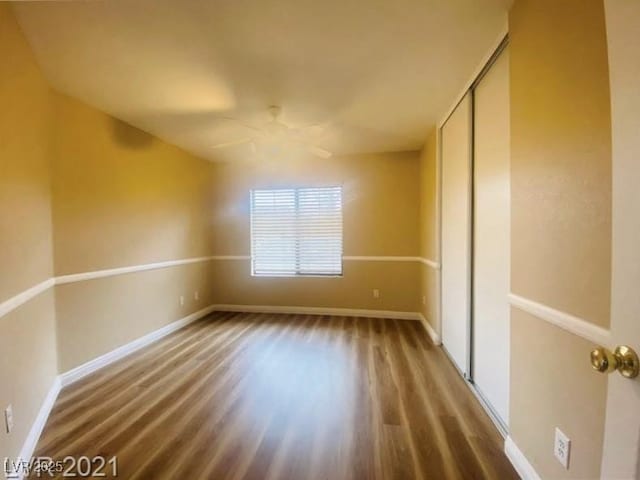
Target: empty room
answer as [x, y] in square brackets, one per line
[324, 240]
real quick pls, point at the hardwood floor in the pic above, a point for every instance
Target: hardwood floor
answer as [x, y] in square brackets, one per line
[263, 396]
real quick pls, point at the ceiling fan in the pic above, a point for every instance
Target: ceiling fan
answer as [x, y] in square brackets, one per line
[276, 135]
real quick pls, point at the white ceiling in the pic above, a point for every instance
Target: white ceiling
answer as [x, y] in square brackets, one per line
[379, 72]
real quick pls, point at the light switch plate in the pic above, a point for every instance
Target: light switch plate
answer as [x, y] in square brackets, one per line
[562, 448]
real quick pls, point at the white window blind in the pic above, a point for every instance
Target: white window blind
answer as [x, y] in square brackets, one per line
[296, 231]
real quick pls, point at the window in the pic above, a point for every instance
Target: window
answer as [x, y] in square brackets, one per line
[296, 231]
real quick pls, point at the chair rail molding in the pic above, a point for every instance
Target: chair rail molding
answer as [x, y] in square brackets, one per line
[23, 297]
[566, 321]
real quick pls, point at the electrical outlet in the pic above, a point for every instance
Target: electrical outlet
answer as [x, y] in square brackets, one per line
[424, 300]
[196, 295]
[8, 419]
[376, 293]
[562, 448]
[181, 300]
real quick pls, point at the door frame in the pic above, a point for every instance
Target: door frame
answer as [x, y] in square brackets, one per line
[621, 447]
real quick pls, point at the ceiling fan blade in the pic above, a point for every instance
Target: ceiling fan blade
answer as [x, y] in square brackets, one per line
[240, 122]
[232, 144]
[315, 129]
[320, 152]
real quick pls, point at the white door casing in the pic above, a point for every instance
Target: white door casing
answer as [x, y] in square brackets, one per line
[621, 450]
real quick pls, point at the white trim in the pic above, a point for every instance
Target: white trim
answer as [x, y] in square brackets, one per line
[435, 336]
[91, 366]
[33, 436]
[344, 312]
[102, 361]
[230, 257]
[519, 461]
[391, 258]
[23, 297]
[566, 321]
[430, 263]
[79, 277]
[82, 371]
[352, 258]
[357, 258]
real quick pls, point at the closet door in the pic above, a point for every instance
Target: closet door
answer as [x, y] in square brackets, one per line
[456, 210]
[491, 266]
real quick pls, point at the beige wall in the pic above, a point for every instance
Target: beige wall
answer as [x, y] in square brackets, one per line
[91, 192]
[28, 366]
[398, 283]
[428, 204]
[98, 194]
[428, 225]
[561, 142]
[25, 216]
[28, 358]
[122, 197]
[96, 316]
[381, 204]
[553, 385]
[561, 225]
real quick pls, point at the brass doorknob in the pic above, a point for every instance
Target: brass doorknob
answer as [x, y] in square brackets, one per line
[623, 359]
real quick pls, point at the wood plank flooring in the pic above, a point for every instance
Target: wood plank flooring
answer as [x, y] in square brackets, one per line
[264, 396]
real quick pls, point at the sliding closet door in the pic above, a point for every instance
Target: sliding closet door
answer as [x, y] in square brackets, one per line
[456, 209]
[492, 237]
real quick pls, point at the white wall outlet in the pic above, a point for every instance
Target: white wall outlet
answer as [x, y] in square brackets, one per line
[562, 448]
[424, 300]
[376, 293]
[196, 295]
[8, 419]
[181, 300]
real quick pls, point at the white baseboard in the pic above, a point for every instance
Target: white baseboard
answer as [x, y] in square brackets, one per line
[435, 337]
[344, 312]
[77, 373]
[91, 366]
[519, 461]
[29, 445]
